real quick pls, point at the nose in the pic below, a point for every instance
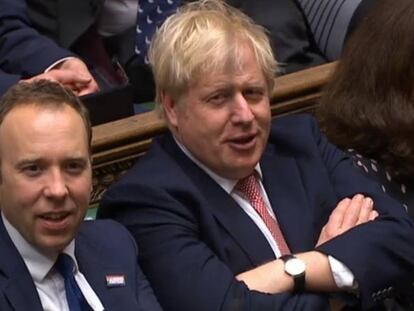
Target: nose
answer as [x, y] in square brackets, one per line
[56, 187]
[242, 111]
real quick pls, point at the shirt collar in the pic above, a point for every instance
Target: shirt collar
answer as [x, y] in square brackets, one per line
[226, 183]
[37, 263]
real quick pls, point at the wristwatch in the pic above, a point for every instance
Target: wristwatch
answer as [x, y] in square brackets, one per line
[295, 267]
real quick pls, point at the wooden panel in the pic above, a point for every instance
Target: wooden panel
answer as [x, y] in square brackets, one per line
[117, 145]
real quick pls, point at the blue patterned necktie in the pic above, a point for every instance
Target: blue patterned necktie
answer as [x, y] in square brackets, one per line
[76, 301]
[151, 15]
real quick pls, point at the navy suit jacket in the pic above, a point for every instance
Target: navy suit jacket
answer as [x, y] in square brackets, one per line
[194, 238]
[101, 248]
[23, 51]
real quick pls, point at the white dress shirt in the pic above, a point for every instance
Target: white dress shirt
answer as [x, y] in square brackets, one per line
[49, 283]
[343, 277]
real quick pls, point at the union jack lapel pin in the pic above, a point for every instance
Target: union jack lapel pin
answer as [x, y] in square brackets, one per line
[115, 280]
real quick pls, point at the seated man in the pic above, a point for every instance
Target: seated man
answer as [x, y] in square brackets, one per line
[221, 196]
[50, 258]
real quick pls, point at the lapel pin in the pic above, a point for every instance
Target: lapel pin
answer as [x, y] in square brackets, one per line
[115, 280]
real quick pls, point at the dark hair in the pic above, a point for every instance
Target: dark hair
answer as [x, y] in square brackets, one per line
[369, 103]
[44, 93]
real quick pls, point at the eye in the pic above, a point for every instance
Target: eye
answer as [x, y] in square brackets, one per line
[254, 94]
[75, 167]
[219, 98]
[32, 170]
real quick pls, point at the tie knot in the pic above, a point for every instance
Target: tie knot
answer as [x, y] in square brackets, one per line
[249, 187]
[65, 265]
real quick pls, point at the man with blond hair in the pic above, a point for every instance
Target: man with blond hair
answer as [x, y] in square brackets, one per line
[235, 212]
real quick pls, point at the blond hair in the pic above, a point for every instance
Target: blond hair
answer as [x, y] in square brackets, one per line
[205, 36]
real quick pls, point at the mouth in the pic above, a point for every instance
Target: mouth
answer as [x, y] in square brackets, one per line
[55, 221]
[244, 142]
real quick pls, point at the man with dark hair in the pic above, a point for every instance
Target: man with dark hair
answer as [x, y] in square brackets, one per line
[50, 258]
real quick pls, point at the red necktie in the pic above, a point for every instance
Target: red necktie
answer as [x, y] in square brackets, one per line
[249, 188]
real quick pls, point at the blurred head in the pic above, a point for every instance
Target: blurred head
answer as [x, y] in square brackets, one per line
[45, 167]
[369, 104]
[214, 70]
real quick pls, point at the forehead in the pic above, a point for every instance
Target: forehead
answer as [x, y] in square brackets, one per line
[28, 127]
[242, 67]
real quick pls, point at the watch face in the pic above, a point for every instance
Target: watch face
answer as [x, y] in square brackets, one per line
[295, 266]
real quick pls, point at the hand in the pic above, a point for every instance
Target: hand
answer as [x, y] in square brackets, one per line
[72, 74]
[348, 214]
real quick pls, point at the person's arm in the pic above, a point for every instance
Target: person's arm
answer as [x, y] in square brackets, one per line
[380, 253]
[144, 292]
[71, 73]
[7, 80]
[184, 271]
[25, 52]
[271, 277]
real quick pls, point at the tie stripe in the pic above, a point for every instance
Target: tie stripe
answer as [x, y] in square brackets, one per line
[76, 301]
[249, 188]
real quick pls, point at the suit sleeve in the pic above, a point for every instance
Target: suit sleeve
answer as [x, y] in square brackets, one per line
[7, 80]
[23, 51]
[380, 253]
[145, 294]
[185, 273]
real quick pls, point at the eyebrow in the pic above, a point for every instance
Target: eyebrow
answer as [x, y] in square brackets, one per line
[40, 160]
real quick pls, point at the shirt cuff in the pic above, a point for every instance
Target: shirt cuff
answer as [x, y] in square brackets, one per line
[343, 277]
[58, 62]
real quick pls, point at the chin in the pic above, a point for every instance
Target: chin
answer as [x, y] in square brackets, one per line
[55, 245]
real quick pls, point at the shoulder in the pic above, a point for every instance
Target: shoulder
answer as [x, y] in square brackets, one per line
[300, 129]
[106, 235]
[107, 230]
[296, 123]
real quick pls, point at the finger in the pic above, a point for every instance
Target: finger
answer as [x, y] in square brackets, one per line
[336, 217]
[41, 77]
[366, 209]
[332, 227]
[374, 214]
[352, 213]
[91, 87]
[68, 77]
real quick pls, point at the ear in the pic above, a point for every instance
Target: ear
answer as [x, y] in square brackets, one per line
[170, 109]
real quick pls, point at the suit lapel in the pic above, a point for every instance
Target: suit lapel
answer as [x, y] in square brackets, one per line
[281, 178]
[21, 292]
[225, 209]
[19, 288]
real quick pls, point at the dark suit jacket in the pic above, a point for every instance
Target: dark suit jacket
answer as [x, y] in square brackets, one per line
[195, 238]
[64, 21]
[35, 34]
[102, 248]
[23, 51]
[293, 43]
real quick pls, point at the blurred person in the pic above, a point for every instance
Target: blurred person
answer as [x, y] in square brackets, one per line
[368, 107]
[332, 22]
